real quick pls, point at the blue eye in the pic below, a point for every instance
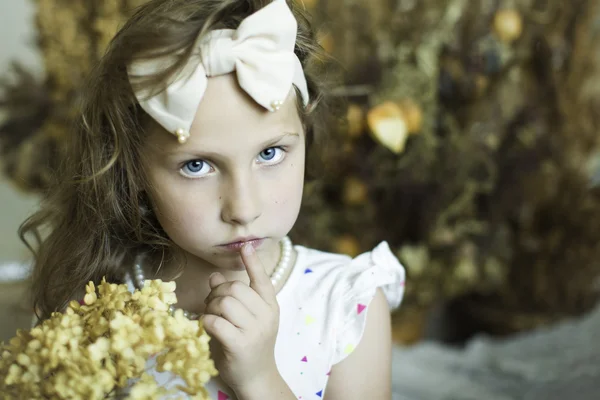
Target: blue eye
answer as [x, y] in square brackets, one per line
[272, 155]
[195, 168]
[268, 154]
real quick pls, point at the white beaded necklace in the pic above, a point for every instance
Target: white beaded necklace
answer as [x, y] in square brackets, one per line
[278, 273]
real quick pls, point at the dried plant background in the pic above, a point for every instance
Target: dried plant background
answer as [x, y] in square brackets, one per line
[93, 350]
[470, 142]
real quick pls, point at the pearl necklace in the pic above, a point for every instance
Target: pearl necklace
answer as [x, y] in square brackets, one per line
[278, 273]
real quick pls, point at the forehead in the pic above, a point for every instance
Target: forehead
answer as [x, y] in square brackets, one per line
[227, 116]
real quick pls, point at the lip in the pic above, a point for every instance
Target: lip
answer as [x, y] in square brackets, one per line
[238, 243]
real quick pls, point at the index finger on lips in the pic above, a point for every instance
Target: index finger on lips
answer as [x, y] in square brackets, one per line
[259, 280]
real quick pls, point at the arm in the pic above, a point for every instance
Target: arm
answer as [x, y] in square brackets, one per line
[366, 373]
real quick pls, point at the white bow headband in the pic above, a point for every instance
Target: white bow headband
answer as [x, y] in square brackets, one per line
[260, 51]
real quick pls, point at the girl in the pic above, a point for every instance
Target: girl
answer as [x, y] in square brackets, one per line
[187, 164]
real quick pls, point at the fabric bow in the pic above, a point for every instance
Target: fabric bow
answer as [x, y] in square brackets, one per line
[260, 51]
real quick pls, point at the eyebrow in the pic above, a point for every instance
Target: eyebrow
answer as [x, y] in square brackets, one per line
[211, 155]
[276, 140]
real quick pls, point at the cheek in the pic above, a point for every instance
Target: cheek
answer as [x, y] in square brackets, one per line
[287, 195]
[180, 209]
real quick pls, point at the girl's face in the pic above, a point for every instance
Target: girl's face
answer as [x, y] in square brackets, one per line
[238, 177]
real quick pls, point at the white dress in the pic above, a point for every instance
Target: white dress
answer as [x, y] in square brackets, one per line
[323, 309]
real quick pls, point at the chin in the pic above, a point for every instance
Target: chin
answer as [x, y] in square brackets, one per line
[230, 262]
[234, 267]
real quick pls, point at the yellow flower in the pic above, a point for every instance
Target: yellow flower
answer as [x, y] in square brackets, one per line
[145, 389]
[97, 348]
[90, 298]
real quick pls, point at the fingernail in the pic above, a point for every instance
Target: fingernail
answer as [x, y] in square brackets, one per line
[247, 249]
[211, 275]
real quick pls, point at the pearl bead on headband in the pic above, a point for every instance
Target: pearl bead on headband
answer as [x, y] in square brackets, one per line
[261, 53]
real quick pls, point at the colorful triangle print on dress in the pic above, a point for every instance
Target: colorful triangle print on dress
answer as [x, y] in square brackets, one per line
[304, 359]
[360, 308]
[308, 271]
[222, 396]
[320, 393]
[349, 349]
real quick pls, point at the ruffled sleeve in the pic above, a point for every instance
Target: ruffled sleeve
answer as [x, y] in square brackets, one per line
[356, 288]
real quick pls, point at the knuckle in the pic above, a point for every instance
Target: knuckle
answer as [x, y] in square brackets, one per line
[209, 323]
[237, 288]
[218, 324]
[226, 303]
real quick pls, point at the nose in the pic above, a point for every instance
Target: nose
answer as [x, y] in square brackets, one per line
[240, 199]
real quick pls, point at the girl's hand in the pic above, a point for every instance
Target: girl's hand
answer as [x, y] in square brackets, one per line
[244, 321]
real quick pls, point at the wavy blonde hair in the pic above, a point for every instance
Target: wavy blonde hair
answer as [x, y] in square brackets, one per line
[96, 217]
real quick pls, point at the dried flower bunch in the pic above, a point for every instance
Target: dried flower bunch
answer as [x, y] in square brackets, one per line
[100, 349]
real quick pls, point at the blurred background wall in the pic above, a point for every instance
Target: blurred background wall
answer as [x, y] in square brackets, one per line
[17, 44]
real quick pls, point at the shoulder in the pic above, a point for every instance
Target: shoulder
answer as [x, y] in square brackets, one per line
[348, 278]
[321, 261]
